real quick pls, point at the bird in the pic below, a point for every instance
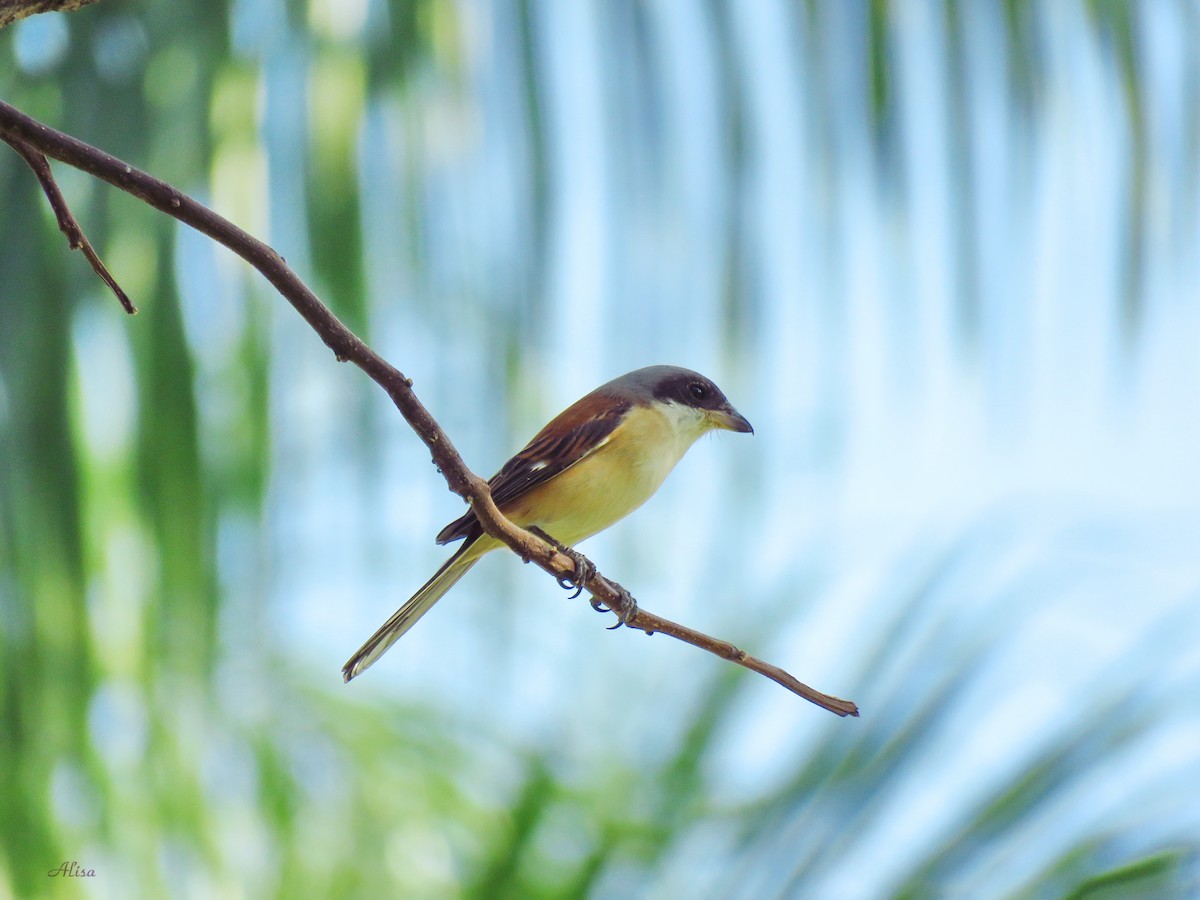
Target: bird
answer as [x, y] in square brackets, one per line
[591, 466]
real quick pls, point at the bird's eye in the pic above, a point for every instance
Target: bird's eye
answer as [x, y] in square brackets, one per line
[698, 390]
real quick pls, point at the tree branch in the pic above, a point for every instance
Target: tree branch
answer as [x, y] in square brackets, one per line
[346, 346]
[12, 10]
[66, 222]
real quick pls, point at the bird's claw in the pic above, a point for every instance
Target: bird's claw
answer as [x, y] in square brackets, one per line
[627, 611]
[584, 570]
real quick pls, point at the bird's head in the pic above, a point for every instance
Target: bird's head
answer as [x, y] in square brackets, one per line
[690, 397]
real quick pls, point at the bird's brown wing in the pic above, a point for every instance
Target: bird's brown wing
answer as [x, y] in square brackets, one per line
[568, 438]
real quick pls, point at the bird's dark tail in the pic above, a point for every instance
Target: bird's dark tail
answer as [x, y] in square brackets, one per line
[419, 604]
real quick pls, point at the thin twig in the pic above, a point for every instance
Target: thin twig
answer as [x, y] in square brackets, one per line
[67, 223]
[346, 346]
[650, 623]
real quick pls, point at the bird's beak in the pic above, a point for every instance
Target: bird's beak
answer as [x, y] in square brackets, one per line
[731, 420]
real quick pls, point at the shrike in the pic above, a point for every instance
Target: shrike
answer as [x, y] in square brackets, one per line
[594, 464]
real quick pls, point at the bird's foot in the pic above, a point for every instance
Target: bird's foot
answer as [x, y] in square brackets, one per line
[625, 612]
[584, 571]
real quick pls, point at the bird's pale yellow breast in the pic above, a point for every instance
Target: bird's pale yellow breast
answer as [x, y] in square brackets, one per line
[614, 479]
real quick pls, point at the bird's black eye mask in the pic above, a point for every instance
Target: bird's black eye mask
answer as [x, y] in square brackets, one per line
[690, 390]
